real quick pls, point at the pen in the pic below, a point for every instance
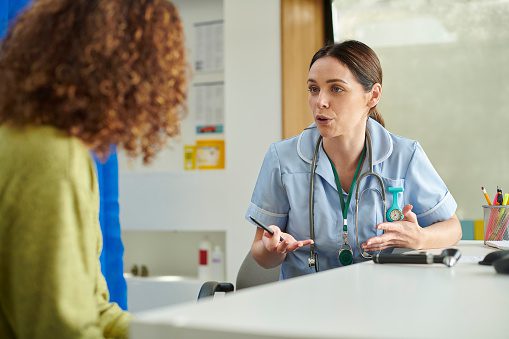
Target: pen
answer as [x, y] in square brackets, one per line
[262, 226]
[486, 196]
[500, 197]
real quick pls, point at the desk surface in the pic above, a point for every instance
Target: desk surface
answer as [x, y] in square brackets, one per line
[363, 301]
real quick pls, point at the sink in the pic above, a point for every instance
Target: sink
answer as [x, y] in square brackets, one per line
[144, 293]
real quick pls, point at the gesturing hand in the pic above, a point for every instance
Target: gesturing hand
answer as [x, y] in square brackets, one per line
[404, 234]
[289, 244]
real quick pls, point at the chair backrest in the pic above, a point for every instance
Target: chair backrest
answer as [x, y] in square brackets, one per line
[251, 274]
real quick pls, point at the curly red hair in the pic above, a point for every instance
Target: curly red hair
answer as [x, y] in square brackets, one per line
[104, 71]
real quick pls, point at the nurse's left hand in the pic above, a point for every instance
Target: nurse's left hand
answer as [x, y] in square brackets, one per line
[404, 234]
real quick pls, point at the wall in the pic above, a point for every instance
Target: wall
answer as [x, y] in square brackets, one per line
[454, 103]
[445, 84]
[174, 200]
[166, 252]
[253, 109]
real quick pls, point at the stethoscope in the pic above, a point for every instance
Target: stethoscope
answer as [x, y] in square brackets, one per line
[394, 213]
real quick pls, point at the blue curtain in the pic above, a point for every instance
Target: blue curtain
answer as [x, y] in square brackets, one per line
[8, 11]
[113, 249]
[4, 17]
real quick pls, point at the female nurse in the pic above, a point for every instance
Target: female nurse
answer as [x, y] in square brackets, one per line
[345, 86]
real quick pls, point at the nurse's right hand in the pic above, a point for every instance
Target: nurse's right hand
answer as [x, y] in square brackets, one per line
[273, 243]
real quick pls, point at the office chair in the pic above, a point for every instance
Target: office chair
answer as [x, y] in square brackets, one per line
[250, 274]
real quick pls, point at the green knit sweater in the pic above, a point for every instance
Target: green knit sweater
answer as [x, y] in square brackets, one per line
[51, 285]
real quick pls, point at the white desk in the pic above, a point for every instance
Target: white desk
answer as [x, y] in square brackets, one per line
[363, 301]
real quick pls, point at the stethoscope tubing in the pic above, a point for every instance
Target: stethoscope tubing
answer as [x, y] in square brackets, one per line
[313, 258]
[371, 172]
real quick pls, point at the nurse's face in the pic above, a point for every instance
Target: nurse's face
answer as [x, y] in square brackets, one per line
[339, 103]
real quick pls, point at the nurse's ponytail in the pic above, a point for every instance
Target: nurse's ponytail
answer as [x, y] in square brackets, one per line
[374, 114]
[361, 61]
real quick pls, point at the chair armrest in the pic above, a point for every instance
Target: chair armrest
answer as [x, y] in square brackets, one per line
[209, 288]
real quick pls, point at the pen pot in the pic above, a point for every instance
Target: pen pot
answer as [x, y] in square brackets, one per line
[496, 219]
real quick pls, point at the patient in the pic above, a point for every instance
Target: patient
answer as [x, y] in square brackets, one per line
[76, 76]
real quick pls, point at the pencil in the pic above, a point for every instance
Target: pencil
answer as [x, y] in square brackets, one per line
[486, 196]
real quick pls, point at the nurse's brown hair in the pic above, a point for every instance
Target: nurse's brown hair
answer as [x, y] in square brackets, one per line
[105, 71]
[361, 60]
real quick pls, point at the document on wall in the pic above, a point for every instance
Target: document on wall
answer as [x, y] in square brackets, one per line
[208, 46]
[209, 113]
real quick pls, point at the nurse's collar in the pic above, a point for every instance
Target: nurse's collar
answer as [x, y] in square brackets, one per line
[380, 139]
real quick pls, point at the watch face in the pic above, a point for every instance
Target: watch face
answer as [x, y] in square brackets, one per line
[396, 215]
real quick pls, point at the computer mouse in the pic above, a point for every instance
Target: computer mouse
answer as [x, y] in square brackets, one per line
[502, 265]
[494, 256]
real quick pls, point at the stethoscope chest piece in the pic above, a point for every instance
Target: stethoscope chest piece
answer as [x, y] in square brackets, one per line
[345, 255]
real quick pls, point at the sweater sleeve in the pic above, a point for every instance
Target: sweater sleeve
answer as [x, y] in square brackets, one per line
[58, 289]
[113, 320]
